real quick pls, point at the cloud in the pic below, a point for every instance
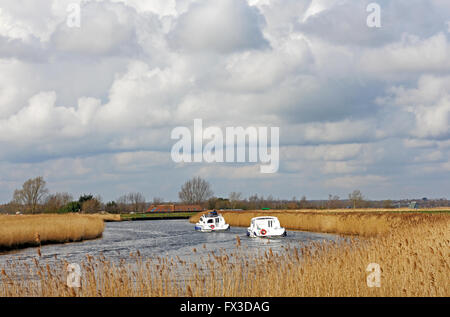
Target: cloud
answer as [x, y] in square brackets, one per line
[351, 182]
[233, 172]
[410, 55]
[429, 104]
[24, 20]
[105, 29]
[94, 107]
[345, 22]
[160, 7]
[220, 26]
[340, 168]
[340, 152]
[316, 7]
[345, 131]
[31, 50]
[142, 97]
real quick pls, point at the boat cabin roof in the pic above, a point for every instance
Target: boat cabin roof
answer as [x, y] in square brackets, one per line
[210, 216]
[264, 218]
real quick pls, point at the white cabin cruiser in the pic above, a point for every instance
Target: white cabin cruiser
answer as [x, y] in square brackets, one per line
[211, 222]
[265, 227]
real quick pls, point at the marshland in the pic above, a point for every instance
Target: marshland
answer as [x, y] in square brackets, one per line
[165, 258]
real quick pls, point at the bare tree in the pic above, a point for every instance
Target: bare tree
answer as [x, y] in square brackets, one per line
[54, 202]
[387, 204]
[131, 202]
[195, 191]
[356, 198]
[137, 202]
[333, 201]
[303, 204]
[12, 207]
[91, 206]
[122, 203]
[234, 198]
[32, 193]
[157, 201]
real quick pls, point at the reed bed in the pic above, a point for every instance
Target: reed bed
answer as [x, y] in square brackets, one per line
[18, 231]
[107, 217]
[359, 223]
[414, 261]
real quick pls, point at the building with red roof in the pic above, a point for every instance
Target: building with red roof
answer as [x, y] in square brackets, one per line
[175, 208]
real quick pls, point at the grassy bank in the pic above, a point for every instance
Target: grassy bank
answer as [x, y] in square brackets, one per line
[356, 222]
[19, 231]
[158, 216]
[107, 217]
[414, 261]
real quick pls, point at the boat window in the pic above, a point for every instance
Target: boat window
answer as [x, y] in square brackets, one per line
[210, 220]
[217, 220]
[269, 223]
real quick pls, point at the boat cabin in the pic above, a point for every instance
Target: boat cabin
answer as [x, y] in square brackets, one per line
[265, 222]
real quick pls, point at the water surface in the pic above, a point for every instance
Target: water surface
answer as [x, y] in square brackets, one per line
[160, 238]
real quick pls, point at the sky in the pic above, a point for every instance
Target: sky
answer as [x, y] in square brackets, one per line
[91, 108]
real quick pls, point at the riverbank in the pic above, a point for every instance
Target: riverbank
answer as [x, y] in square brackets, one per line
[20, 231]
[157, 216]
[364, 222]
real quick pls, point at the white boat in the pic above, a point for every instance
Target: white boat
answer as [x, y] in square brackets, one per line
[211, 222]
[265, 227]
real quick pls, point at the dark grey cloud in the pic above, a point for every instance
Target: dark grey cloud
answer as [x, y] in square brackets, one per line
[331, 100]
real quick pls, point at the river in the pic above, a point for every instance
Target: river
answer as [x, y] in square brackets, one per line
[159, 238]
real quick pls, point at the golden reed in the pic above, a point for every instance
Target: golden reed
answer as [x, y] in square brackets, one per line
[33, 230]
[360, 222]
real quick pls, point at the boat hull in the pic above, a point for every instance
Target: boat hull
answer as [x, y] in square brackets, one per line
[269, 234]
[209, 229]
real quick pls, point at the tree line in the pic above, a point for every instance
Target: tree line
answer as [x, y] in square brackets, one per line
[34, 197]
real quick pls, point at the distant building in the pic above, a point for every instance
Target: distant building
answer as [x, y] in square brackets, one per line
[174, 208]
[160, 208]
[414, 205]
